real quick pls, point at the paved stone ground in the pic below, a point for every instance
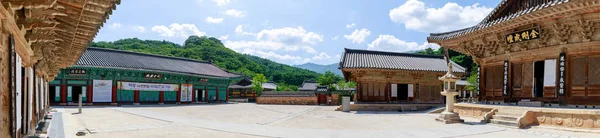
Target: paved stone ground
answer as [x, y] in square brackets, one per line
[252, 120]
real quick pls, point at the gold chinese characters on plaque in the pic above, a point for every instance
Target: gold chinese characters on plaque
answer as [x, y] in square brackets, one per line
[525, 35]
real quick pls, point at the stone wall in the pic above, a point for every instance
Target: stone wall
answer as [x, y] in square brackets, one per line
[287, 100]
[334, 99]
[579, 119]
[474, 112]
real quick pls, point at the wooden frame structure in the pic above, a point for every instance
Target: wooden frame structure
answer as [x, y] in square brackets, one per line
[520, 34]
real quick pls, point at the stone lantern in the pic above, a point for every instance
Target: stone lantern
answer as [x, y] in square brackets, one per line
[449, 116]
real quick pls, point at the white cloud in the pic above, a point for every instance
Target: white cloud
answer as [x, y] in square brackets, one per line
[214, 20]
[177, 30]
[240, 30]
[391, 43]
[414, 15]
[222, 2]
[290, 36]
[334, 38]
[309, 50]
[225, 37]
[140, 29]
[235, 13]
[337, 56]
[350, 25]
[321, 56]
[267, 45]
[358, 36]
[276, 57]
[115, 25]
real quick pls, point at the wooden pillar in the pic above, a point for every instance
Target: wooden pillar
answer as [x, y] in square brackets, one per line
[114, 94]
[179, 94]
[217, 97]
[194, 94]
[226, 94]
[206, 93]
[63, 92]
[89, 93]
[161, 97]
[136, 96]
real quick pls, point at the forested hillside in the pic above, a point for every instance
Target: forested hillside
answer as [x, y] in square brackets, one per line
[211, 49]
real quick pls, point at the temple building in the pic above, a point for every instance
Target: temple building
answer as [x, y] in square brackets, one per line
[242, 91]
[107, 76]
[534, 52]
[38, 38]
[391, 77]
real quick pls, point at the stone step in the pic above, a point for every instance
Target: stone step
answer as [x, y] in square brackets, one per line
[505, 117]
[505, 123]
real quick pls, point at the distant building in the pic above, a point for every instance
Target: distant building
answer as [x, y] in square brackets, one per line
[107, 76]
[395, 77]
[308, 85]
[242, 90]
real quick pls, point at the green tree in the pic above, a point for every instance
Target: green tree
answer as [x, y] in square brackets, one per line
[328, 79]
[257, 82]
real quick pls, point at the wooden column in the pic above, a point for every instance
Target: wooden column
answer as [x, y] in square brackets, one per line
[179, 94]
[161, 97]
[89, 93]
[193, 94]
[217, 96]
[63, 92]
[136, 96]
[114, 94]
[206, 93]
[226, 94]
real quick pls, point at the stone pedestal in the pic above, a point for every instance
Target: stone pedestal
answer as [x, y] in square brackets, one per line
[449, 118]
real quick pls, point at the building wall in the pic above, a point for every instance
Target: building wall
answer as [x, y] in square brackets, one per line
[312, 100]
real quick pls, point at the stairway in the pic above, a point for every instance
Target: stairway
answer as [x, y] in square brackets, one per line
[508, 117]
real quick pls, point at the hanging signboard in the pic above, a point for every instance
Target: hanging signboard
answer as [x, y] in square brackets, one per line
[102, 91]
[526, 35]
[562, 66]
[203, 80]
[147, 86]
[77, 71]
[505, 84]
[186, 92]
[152, 76]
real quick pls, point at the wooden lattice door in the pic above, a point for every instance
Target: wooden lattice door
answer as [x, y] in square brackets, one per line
[578, 76]
[494, 81]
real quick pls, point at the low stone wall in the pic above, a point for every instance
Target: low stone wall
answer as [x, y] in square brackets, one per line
[567, 118]
[472, 111]
[287, 100]
[334, 99]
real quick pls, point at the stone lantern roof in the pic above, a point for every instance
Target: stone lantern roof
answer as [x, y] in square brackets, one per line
[449, 75]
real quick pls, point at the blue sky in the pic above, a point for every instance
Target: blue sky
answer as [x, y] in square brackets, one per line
[296, 31]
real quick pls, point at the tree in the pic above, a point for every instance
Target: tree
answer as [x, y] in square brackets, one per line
[257, 82]
[472, 80]
[328, 79]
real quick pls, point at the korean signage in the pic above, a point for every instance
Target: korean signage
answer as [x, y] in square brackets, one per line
[203, 80]
[562, 66]
[478, 71]
[186, 92]
[147, 86]
[102, 91]
[526, 35]
[152, 76]
[417, 90]
[77, 71]
[505, 80]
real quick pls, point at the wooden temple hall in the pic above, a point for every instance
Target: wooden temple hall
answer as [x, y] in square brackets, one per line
[534, 52]
[388, 77]
[37, 39]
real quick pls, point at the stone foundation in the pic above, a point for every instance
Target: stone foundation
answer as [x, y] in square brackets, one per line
[287, 100]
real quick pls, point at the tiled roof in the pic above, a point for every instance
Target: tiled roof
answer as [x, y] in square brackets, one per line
[308, 86]
[353, 58]
[99, 57]
[488, 21]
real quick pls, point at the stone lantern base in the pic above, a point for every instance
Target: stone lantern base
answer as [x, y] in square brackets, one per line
[449, 118]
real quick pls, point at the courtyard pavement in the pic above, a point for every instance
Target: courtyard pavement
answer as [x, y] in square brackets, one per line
[253, 120]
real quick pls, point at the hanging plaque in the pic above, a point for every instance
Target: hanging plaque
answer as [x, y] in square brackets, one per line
[505, 80]
[478, 71]
[77, 71]
[203, 80]
[152, 76]
[562, 66]
[520, 36]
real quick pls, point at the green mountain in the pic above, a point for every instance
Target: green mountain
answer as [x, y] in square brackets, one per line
[211, 49]
[321, 68]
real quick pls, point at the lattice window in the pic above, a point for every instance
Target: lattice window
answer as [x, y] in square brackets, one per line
[594, 71]
[498, 77]
[377, 89]
[489, 78]
[517, 75]
[364, 89]
[424, 92]
[578, 77]
[528, 75]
